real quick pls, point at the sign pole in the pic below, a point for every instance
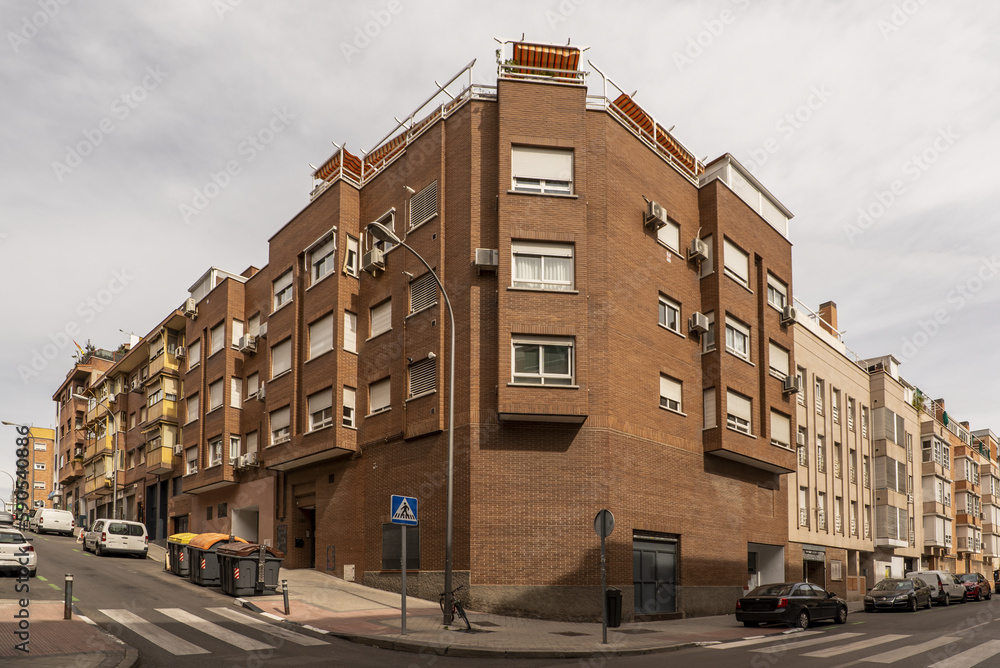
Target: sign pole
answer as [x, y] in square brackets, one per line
[604, 586]
[403, 511]
[402, 533]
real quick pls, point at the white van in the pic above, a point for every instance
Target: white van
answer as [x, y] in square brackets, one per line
[945, 586]
[118, 536]
[52, 520]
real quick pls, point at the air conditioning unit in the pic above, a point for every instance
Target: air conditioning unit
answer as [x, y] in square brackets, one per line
[487, 258]
[248, 344]
[656, 215]
[179, 449]
[800, 439]
[373, 261]
[194, 469]
[190, 308]
[791, 385]
[698, 250]
[261, 393]
[180, 352]
[789, 315]
[251, 458]
[698, 323]
[241, 462]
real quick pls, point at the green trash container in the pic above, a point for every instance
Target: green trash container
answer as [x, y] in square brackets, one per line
[203, 561]
[248, 569]
[176, 553]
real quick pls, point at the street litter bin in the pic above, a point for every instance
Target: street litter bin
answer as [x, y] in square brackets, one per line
[613, 603]
[175, 552]
[203, 568]
[248, 569]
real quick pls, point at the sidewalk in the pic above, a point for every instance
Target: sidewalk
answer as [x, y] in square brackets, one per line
[54, 642]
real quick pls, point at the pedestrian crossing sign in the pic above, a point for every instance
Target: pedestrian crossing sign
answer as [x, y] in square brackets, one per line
[403, 510]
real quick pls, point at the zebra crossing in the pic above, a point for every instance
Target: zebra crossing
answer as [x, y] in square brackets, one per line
[819, 645]
[207, 632]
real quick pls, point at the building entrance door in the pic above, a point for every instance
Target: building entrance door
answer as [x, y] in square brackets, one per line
[654, 574]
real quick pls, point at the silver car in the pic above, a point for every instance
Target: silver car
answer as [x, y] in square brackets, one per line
[945, 586]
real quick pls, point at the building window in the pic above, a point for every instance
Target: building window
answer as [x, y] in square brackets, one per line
[850, 414]
[214, 395]
[802, 438]
[670, 236]
[253, 327]
[283, 290]
[819, 394]
[218, 337]
[803, 506]
[320, 409]
[671, 393]
[708, 407]
[423, 292]
[348, 412]
[738, 412]
[379, 396]
[215, 452]
[424, 205]
[350, 332]
[252, 442]
[777, 292]
[708, 338]
[423, 377]
[542, 360]
[280, 430]
[547, 171]
[194, 354]
[670, 314]
[321, 336]
[820, 453]
[351, 260]
[736, 263]
[234, 448]
[737, 338]
[237, 332]
[381, 318]
[235, 392]
[191, 460]
[253, 384]
[281, 358]
[707, 266]
[821, 510]
[542, 266]
[835, 405]
[800, 396]
[777, 360]
[781, 430]
[321, 257]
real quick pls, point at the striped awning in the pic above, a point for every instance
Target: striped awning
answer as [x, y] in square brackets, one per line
[627, 107]
[352, 166]
[565, 58]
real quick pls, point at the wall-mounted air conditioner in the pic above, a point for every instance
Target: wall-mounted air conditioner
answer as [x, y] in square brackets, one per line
[791, 385]
[180, 352]
[789, 315]
[698, 250]
[698, 322]
[656, 215]
[487, 259]
[262, 393]
[190, 308]
[248, 344]
[373, 261]
[179, 449]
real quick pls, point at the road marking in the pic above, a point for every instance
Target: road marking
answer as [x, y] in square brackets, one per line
[854, 646]
[906, 652]
[784, 647]
[757, 641]
[220, 632]
[970, 657]
[54, 586]
[153, 633]
[43, 579]
[269, 629]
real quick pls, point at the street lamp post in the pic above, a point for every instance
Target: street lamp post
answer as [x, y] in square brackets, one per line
[382, 233]
[114, 455]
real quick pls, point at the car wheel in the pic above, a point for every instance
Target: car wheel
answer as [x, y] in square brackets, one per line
[802, 621]
[913, 604]
[32, 574]
[751, 625]
[870, 610]
[979, 595]
[928, 606]
[99, 550]
[947, 599]
[841, 617]
[989, 595]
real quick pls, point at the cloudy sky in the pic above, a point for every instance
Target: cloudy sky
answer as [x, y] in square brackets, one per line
[875, 123]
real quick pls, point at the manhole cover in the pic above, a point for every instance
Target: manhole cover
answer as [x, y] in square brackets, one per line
[571, 634]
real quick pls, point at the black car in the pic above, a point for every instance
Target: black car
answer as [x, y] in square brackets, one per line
[795, 603]
[899, 594]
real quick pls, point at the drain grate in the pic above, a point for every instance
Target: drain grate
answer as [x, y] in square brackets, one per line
[571, 634]
[634, 632]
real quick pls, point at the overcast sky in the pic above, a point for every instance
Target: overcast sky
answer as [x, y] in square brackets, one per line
[875, 123]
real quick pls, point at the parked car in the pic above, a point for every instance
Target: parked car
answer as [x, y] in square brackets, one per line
[117, 536]
[976, 586]
[898, 593]
[795, 603]
[51, 520]
[16, 552]
[6, 519]
[945, 587]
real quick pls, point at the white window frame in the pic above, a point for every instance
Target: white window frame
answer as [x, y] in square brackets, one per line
[215, 452]
[237, 332]
[739, 412]
[708, 338]
[192, 409]
[282, 290]
[349, 414]
[278, 355]
[283, 433]
[736, 263]
[707, 266]
[321, 336]
[670, 236]
[253, 384]
[217, 337]
[666, 307]
[380, 396]
[546, 252]
[191, 460]
[380, 318]
[778, 360]
[423, 205]
[320, 408]
[350, 332]
[236, 392]
[671, 394]
[216, 388]
[739, 332]
[352, 259]
[543, 378]
[777, 292]
[541, 170]
[781, 426]
[194, 353]
[321, 257]
[234, 448]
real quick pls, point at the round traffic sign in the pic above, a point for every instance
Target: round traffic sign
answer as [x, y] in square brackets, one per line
[604, 523]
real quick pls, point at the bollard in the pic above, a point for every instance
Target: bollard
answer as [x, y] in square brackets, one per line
[68, 612]
[284, 590]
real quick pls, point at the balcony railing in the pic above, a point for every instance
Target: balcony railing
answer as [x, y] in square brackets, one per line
[803, 517]
[839, 524]
[803, 456]
[868, 532]
[854, 527]
[836, 467]
[821, 518]
[836, 414]
[854, 475]
[820, 462]
[819, 407]
[850, 420]
[867, 480]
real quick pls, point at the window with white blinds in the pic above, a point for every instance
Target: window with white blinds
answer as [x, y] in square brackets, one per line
[736, 263]
[253, 328]
[350, 331]
[423, 292]
[194, 354]
[252, 442]
[192, 408]
[381, 318]
[378, 396]
[541, 170]
[283, 289]
[215, 395]
[321, 336]
[348, 414]
[320, 409]
[321, 257]
[423, 377]
[708, 403]
[280, 430]
[236, 392]
[707, 266]
[781, 430]
[424, 205]
[670, 393]
[281, 358]
[253, 384]
[237, 332]
[218, 337]
[777, 360]
[670, 236]
[738, 412]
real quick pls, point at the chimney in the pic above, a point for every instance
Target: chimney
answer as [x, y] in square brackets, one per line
[828, 317]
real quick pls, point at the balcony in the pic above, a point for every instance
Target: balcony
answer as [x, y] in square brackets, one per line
[73, 470]
[164, 362]
[854, 475]
[836, 467]
[803, 517]
[935, 469]
[854, 527]
[160, 460]
[162, 409]
[99, 484]
[803, 456]
[838, 523]
[821, 519]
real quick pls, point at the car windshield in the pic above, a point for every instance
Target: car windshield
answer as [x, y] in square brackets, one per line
[11, 538]
[969, 577]
[772, 590]
[893, 585]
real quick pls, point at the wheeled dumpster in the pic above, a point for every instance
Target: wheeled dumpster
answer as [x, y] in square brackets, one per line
[202, 558]
[176, 553]
[248, 569]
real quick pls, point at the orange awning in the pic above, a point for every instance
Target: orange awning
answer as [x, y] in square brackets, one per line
[627, 107]
[565, 58]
